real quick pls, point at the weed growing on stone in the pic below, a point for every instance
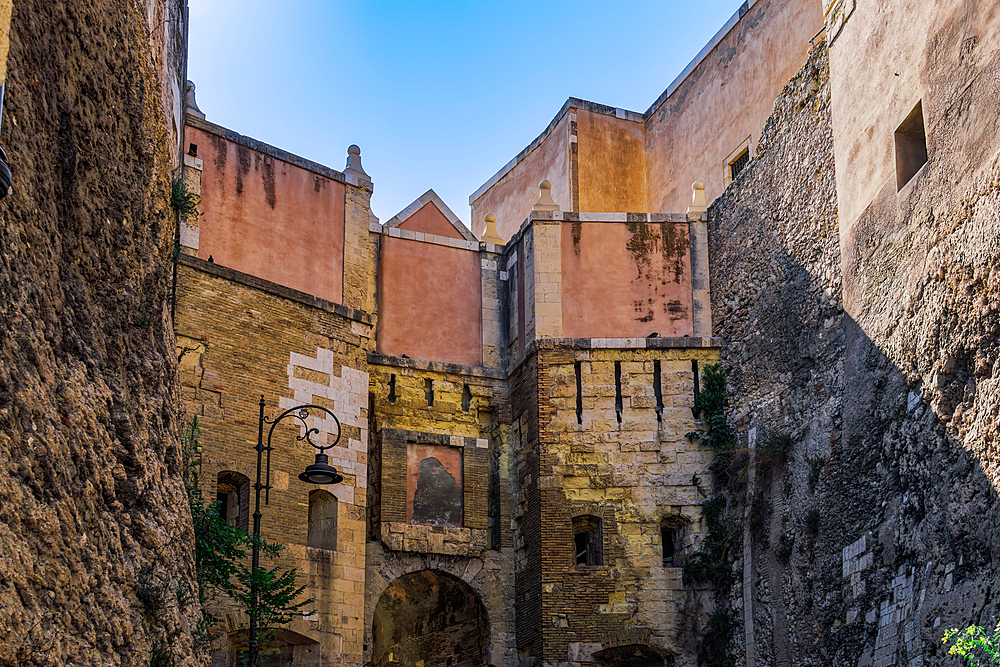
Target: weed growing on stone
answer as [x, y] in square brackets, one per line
[815, 470]
[976, 647]
[714, 650]
[184, 202]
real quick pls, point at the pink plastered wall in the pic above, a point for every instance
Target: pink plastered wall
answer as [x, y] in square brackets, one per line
[429, 302]
[269, 218]
[625, 280]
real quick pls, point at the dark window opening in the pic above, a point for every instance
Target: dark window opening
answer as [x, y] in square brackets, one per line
[466, 397]
[696, 410]
[911, 147]
[579, 394]
[739, 164]
[392, 388]
[429, 391]
[232, 492]
[322, 520]
[193, 150]
[658, 390]
[618, 391]
[587, 540]
[668, 537]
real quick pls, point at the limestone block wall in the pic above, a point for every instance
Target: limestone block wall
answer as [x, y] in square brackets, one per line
[449, 412]
[238, 338]
[611, 446]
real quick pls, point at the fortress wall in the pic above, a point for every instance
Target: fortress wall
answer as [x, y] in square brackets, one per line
[725, 100]
[635, 474]
[240, 337]
[875, 349]
[262, 215]
[92, 505]
[511, 197]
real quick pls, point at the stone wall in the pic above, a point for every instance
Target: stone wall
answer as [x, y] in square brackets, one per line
[612, 444]
[239, 338]
[96, 547]
[879, 530]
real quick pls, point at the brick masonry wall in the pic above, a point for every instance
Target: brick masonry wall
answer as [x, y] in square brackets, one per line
[239, 338]
[632, 474]
[479, 431]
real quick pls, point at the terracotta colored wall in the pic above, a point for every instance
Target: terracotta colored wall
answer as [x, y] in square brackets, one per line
[884, 60]
[612, 163]
[269, 218]
[626, 280]
[510, 199]
[430, 220]
[429, 302]
[725, 99]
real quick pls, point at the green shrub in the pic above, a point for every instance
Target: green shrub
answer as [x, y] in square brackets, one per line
[976, 647]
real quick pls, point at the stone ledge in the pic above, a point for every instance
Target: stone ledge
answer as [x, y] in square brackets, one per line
[436, 366]
[468, 542]
[274, 288]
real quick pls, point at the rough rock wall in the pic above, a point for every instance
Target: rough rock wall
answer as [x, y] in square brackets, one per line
[879, 529]
[96, 561]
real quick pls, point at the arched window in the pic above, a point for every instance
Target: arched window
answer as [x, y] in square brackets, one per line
[322, 520]
[232, 491]
[588, 540]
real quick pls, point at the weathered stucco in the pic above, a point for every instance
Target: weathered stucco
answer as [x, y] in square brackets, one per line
[725, 99]
[429, 302]
[883, 61]
[625, 279]
[611, 163]
[269, 218]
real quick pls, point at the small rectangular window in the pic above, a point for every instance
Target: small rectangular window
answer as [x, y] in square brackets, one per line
[911, 147]
[668, 538]
[392, 388]
[739, 164]
[588, 541]
[429, 392]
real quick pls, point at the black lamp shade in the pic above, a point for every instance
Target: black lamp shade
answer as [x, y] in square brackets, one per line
[321, 472]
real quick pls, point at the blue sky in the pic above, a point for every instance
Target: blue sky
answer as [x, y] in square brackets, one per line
[437, 94]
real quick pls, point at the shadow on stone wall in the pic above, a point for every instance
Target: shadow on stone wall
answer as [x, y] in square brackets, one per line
[882, 526]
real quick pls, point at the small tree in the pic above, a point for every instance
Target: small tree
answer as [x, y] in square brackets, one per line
[221, 560]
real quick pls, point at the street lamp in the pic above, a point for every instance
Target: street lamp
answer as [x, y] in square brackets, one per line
[320, 472]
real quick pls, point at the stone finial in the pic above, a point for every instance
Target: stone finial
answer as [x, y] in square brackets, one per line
[354, 161]
[491, 235]
[698, 206]
[545, 202]
[190, 106]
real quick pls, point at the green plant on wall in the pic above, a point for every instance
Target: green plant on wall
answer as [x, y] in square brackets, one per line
[975, 645]
[221, 560]
[183, 200]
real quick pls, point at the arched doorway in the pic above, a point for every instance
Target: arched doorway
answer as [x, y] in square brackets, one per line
[429, 619]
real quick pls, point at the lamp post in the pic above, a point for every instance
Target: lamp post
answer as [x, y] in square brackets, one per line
[320, 472]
